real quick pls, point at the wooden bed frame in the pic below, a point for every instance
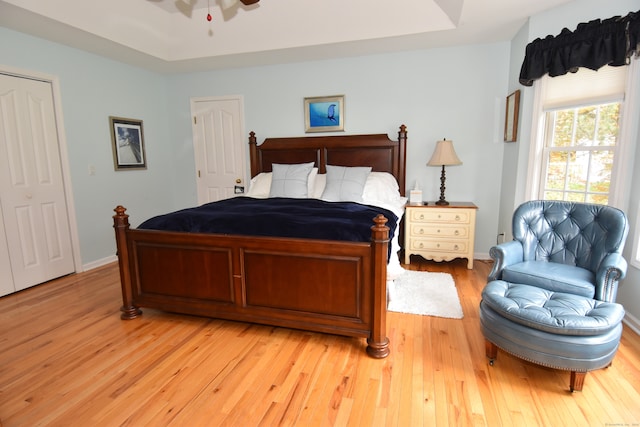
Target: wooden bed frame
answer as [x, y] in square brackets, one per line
[316, 285]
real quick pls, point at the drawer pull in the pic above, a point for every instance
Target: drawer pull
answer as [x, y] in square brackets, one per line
[455, 247]
[421, 231]
[457, 232]
[421, 245]
[438, 245]
[457, 217]
[438, 231]
[421, 216]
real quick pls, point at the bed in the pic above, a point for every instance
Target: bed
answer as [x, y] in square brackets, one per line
[328, 286]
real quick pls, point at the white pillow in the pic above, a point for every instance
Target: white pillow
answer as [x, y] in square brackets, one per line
[311, 182]
[318, 187]
[382, 187]
[290, 180]
[345, 183]
[260, 185]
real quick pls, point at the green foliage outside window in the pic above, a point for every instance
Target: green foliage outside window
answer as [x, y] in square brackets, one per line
[579, 150]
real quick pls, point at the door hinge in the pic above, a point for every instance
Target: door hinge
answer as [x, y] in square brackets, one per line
[195, 122]
[198, 174]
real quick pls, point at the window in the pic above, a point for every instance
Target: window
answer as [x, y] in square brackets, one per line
[579, 150]
[580, 135]
[583, 140]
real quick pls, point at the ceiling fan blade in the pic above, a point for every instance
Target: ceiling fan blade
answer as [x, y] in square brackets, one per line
[248, 2]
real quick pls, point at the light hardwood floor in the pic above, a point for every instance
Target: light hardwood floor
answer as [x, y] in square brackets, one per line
[66, 359]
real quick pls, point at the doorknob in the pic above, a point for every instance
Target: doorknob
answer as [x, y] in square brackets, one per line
[238, 181]
[29, 196]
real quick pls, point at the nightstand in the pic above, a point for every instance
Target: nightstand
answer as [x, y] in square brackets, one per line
[440, 233]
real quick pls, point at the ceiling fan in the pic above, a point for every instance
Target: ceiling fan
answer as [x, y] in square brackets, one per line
[187, 6]
[229, 3]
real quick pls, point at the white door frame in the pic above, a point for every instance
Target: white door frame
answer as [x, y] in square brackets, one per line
[64, 153]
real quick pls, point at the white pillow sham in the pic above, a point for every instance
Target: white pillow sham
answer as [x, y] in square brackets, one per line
[290, 180]
[345, 184]
[260, 185]
[380, 186]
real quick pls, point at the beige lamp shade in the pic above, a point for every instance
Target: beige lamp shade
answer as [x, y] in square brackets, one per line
[444, 155]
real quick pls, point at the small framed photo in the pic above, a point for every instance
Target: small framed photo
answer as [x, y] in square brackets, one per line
[511, 120]
[324, 113]
[127, 139]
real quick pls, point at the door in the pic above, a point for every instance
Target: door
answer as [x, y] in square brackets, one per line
[32, 194]
[6, 278]
[219, 147]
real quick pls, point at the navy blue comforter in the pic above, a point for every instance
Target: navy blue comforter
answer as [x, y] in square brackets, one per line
[280, 217]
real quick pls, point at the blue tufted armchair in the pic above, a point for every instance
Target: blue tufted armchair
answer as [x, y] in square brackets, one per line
[565, 247]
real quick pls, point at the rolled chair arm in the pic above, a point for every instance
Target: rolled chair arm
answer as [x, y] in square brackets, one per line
[504, 254]
[612, 269]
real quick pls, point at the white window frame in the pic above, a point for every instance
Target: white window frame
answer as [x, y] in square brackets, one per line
[635, 254]
[546, 150]
[623, 162]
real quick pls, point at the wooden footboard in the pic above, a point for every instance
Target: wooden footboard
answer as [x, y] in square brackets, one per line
[316, 285]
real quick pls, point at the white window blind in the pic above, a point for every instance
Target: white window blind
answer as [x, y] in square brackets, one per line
[585, 87]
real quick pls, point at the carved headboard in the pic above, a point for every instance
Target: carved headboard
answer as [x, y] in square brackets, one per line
[377, 151]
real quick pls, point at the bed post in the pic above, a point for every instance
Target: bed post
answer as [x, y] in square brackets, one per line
[253, 154]
[378, 343]
[402, 140]
[121, 225]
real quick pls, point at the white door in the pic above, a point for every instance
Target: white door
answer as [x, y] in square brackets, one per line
[6, 278]
[32, 195]
[219, 147]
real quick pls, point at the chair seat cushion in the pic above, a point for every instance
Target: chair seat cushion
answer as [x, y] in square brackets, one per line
[549, 311]
[552, 276]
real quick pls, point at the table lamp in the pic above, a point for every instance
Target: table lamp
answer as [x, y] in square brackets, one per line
[443, 155]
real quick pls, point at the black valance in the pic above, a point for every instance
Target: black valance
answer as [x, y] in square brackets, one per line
[592, 45]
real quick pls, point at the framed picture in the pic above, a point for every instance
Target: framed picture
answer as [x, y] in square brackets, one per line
[127, 139]
[511, 120]
[324, 113]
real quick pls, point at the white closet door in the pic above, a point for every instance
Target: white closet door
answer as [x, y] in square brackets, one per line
[32, 197]
[6, 276]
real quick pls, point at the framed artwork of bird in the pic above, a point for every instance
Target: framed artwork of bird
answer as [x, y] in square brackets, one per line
[324, 113]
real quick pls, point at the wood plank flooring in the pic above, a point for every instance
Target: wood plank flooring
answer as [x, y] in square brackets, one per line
[66, 359]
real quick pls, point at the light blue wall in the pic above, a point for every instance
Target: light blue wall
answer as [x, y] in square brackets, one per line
[453, 93]
[93, 88]
[516, 158]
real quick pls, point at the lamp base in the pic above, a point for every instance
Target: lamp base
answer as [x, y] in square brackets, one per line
[442, 201]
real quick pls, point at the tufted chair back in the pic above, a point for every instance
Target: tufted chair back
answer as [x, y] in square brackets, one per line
[570, 233]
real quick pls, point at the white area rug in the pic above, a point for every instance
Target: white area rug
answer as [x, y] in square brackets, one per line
[425, 293]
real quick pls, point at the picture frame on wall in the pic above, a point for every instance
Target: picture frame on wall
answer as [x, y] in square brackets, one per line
[127, 139]
[324, 113]
[511, 120]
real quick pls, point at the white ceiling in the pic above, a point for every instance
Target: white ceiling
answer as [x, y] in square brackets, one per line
[174, 35]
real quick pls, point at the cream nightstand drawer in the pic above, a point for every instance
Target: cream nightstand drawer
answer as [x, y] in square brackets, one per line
[444, 231]
[440, 233]
[440, 245]
[440, 215]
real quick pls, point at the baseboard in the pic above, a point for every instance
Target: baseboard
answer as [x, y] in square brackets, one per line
[481, 255]
[99, 263]
[632, 322]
